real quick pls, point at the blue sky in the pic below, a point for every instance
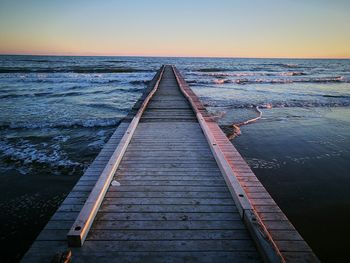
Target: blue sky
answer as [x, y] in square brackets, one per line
[228, 28]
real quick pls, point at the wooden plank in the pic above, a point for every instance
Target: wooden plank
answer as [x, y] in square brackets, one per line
[164, 208]
[156, 208]
[167, 177]
[70, 216]
[263, 240]
[159, 188]
[263, 212]
[168, 205]
[149, 256]
[172, 204]
[170, 245]
[168, 224]
[82, 224]
[202, 174]
[187, 170]
[201, 234]
[158, 180]
[173, 216]
[163, 194]
[172, 183]
[137, 158]
[174, 165]
[167, 201]
[110, 235]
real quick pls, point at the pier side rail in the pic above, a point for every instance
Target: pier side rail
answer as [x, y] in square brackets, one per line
[270, 249]
[79, 231]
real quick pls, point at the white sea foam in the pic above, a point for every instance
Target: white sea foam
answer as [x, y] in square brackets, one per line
[89, 123]
[61, 138]
[28, 153]
[277, 104]
[63, 94]
[100, 142]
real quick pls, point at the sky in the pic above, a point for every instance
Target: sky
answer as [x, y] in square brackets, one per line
[204, 28]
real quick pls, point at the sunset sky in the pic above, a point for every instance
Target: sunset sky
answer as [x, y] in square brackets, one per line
[221, 28]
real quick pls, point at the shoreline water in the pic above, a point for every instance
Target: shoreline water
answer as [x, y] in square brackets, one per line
[54, 123]
[301, 157]
[31, 191]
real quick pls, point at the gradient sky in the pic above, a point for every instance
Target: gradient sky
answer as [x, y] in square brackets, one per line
[223, 28]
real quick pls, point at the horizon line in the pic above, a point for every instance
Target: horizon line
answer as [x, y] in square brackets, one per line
[162, 56]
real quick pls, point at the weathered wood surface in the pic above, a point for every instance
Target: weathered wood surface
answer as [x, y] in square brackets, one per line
[172, 204]
[80, 229]
[281, 234]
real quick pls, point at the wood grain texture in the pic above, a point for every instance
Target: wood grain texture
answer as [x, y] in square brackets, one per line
[170, 202]
[266, 214]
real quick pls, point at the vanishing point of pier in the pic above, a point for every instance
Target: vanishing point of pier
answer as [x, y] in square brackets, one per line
[169, 187]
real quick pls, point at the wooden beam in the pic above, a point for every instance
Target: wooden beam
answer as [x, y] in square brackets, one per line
[262, 238]
[80, 229]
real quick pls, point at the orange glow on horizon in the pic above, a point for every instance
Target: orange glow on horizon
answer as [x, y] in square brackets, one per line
[151, 54]
[258, 29]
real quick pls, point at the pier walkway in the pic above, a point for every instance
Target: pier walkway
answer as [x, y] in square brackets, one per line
[169, 187]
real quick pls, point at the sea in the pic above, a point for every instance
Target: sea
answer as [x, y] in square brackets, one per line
[57, 112]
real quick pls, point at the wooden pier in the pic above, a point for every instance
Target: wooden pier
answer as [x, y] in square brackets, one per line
[169, 187]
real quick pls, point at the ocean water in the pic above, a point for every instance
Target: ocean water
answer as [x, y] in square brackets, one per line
[57, 112]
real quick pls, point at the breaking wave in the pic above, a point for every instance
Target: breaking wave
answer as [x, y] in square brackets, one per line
[67, 124]
[252, 74]
[214, 69]
[243, 81]
[72, 69]
[14, 95]
[26, 153]
[42, 61]
[279, 104]
[139, 82]
[68, 93]
[63, 79]
[116, 61]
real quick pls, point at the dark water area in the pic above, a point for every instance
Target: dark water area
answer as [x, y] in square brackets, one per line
[302, 157]
[35, 183]
[57, 112]
[26, 205]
